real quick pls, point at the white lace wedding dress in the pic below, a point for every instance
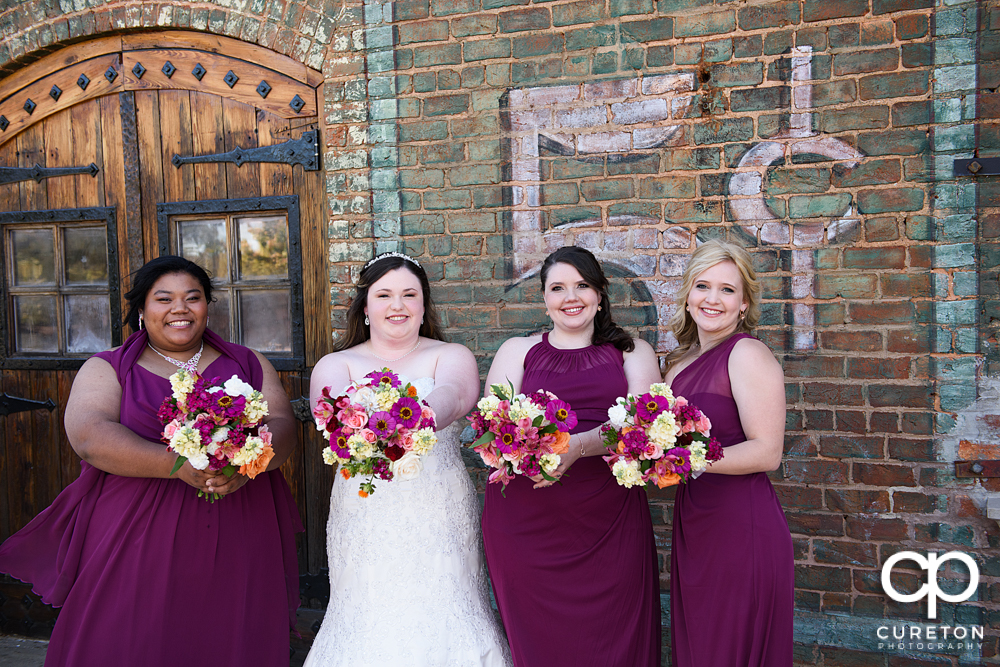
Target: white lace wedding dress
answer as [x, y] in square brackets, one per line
[407, 582]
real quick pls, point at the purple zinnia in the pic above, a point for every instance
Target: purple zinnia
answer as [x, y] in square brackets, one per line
[382, 423]
[384, 377]
[681, 459]
[407, 412]
[559, 413]
[648, 407]
[338, 444]
[506, 440]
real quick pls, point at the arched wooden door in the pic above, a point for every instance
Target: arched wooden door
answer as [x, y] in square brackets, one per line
[118, 150]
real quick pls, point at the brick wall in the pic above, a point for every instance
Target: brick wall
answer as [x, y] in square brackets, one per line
[478, 135]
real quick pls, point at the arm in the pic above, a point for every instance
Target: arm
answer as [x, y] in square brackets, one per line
[98, 437]
[758, 385]
[508, 364]
[456, 384]
[331, 371]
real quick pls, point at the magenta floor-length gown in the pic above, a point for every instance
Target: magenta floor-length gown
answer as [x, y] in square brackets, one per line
[574, 565]
[731, 566]
[146, 572]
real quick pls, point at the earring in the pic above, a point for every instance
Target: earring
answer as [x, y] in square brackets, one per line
[421, 319]
[140, 322]
[599, 309]
[367, 322]
[743, 314]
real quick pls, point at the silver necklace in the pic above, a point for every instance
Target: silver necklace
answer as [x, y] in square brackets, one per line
[371, 350]
[191, 365]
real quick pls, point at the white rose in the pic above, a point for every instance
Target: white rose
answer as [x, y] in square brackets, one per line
[234, 386]
[617, 415]
[407, 467]
[199, 461]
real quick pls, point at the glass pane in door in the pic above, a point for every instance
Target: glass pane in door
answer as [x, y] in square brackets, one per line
[88, 323]
[35, 324]
[85, 253]
[34, 256]
[266, 319]
[219, 315]
[204, 243]
[263, 248]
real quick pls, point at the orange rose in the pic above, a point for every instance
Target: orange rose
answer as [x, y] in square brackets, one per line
[561, 445]
[259, 465]
[362, 493]
[667, 479]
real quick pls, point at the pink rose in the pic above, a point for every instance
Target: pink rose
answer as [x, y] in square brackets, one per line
[369, 435]
[170, 429]
[355, 419]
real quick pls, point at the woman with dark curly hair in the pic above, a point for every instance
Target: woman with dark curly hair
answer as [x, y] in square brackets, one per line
[146, 572]
[573, 563]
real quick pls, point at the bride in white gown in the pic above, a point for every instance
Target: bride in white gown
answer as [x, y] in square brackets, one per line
[407, 580]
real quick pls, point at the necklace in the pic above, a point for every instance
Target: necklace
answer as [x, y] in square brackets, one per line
[371, 351]
[191, 365]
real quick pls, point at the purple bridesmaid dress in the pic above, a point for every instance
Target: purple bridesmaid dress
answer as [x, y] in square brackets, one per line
[731, 567]
[573, 565]
[146, 572]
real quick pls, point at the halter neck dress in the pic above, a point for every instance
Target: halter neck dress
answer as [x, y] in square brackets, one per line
[146, 572]
[573, 566]
[731, 562]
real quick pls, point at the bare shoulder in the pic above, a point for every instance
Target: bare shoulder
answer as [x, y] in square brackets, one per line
[642, 349]
[445, 349]
[754, 356]
[519, 345]
[335, 362]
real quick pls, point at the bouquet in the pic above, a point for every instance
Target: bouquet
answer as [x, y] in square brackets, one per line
[216, 425]
[376, 428]
[519, 434]
[658, 438]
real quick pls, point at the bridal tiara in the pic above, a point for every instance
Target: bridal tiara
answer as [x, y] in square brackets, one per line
[390, 254]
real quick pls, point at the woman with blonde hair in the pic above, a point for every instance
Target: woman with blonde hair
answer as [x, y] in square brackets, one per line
[731, 563]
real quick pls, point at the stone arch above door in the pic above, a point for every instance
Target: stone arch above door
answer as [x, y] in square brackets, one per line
[171, 60]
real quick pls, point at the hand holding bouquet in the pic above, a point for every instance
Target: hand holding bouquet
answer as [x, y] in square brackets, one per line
[377, 428]
[658, 438]
[216, 425]
[519, 434]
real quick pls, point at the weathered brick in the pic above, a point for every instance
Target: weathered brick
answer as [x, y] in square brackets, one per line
[818, 578]
[823, 10]
[699, 25]
[424, 131]
[852, 341]
[888, 6]
[894, 142]
[565, 215]
[537, 45]
[876, 528]
[459, 223]
[835, 92]
[697, 158]
[891, 199]
[828, 393]
[587, 11]
[446, 105]
[423, 31]
[633, 164]
[875, 257]
[628, 7]
[560, 193]
[524, 19]
[844, 35]
[760, 99]
[827, 286]
[647, 31]
[857, 501]
[740, 74]
[820, 525]
[814, 471]
[590, 37]
[842, 552]
[864, 118]
[911, 396]
[881, 60]
[443, 54]
[782, 181]
[667, 188]
[917, 55]
[421, 224]
[486, 49]
[606, 189]
[728, 130]
[769, 16]
[447, 199]
[480, 174]
[880, 474]
[901, 84]
[875, 172]
[911, 26]
[477, 24]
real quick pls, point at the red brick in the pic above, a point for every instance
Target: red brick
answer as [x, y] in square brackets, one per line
[884, 422]
[879, 529]
[918, 423]
[812, 523]
[910, 341]
[832, 394]
[854, 422]
[906, 285]
[857, 501]
[842, 552]
[799, 497]
[815, 471]
[881, 312]
[813, 366]
[812, 577]
[819, 420]
[857, 447]
[909, 396]
[891, 368]
[881, 474]
[905, 449]
[852, 341]
[914, 503]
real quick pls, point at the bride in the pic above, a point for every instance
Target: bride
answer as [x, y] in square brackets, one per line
[407, 581]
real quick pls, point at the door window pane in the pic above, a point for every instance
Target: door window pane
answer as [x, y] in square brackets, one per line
[85, 251]
[218, 314]
[204, 243]
[266, 319]
[88, 323]
[35, 324]
[263, 248]
[33, 253]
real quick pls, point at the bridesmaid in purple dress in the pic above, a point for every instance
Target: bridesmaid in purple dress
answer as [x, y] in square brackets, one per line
[146, 572]
[731, 569]
[573, 564]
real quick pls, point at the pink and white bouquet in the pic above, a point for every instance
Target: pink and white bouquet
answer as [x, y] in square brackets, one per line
[518, 434]
[216, 425]
[658, 438]
[378, 427]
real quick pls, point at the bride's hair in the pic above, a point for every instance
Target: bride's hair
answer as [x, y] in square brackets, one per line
[581, 259]
[357, 331]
